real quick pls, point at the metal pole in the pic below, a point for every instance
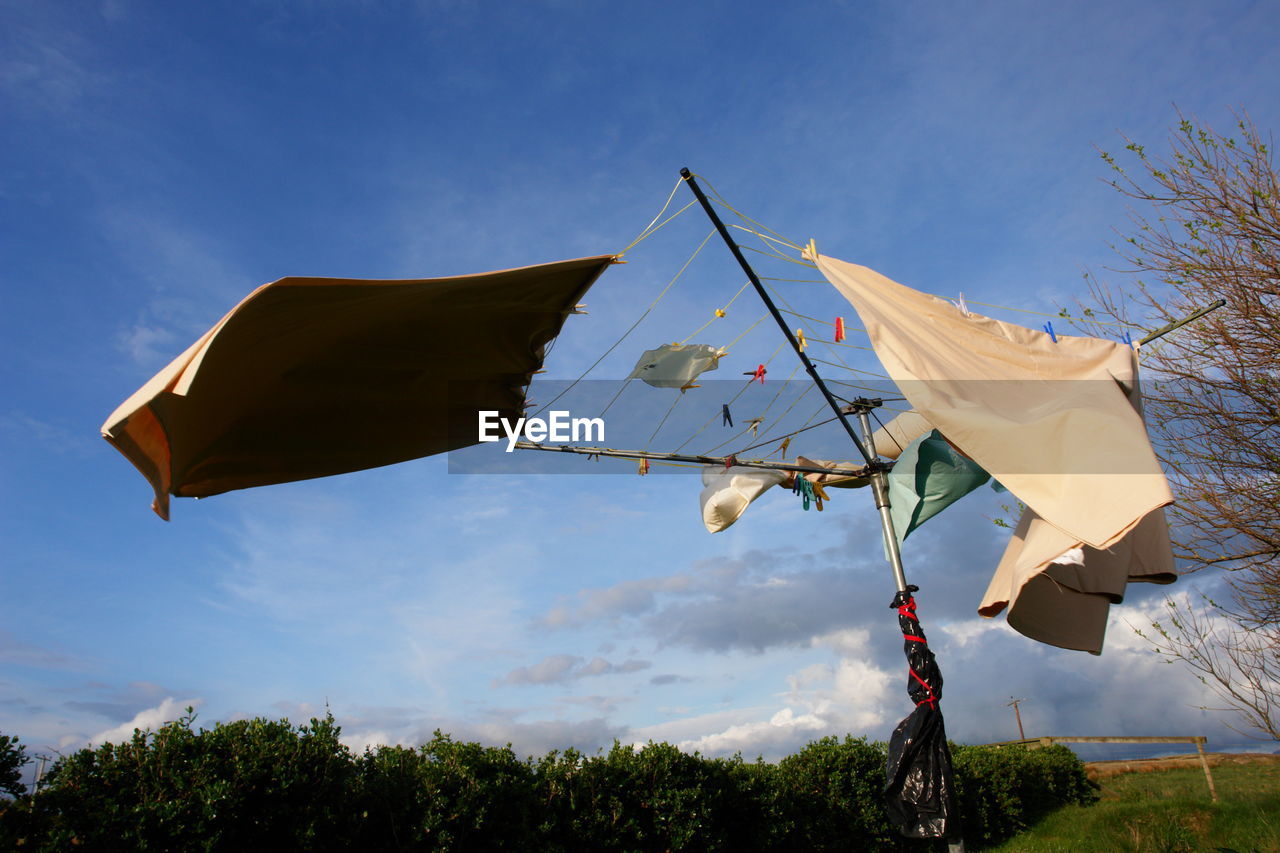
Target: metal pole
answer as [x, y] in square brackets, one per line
[698, 460]
[880, 489]
[768, 301]
[861, 407]
[1178, 324]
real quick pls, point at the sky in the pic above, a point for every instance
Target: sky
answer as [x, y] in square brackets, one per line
[161, 160]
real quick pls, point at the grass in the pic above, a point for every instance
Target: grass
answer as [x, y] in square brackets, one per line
[1167, 812]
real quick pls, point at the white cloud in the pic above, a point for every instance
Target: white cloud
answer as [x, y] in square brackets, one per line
[848, 694]
[560, 669]
[151, 718]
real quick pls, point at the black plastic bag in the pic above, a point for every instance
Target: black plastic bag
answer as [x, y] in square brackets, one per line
[919, 791]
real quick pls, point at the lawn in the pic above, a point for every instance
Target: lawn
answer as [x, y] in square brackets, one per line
[1167, 812]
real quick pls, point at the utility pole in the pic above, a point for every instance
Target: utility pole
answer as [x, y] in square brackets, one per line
[1021, 734]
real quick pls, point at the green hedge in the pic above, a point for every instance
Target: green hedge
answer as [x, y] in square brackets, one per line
[260, 784]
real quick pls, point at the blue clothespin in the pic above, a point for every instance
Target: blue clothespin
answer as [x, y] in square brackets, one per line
[1048, 327]
[1128, 340]
[804, 489]
[725, 417]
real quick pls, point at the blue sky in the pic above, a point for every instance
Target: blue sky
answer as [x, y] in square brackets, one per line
[161, 160]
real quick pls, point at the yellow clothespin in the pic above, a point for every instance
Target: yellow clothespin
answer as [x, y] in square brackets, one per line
[644, 467]
[819, 495]
[810, 252]
[719, 312]
[800, 339]
[782, 451]
[689, 385]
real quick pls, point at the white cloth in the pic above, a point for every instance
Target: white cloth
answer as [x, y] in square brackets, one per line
[728, 492]
[675, 365]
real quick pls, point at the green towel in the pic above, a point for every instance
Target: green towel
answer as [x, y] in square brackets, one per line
[929, 476]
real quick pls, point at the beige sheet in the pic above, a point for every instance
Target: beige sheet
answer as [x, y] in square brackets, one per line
[309, 377]
[1054, 423]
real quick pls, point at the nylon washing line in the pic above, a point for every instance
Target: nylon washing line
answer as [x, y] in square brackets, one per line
[726, 348]
[649, 229]
[733, 400]
[789, 309]
[758, 419]
[622, 387]
[720, 199]
[718, 314]
[790, 434]
[634, 326]
[777, 421]
[773, 252]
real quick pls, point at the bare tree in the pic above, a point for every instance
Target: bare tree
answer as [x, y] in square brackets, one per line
[1238, 662]
[1207, 228]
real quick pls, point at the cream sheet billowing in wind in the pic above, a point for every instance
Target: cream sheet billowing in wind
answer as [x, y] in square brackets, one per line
[1054, 423]
[310, 377]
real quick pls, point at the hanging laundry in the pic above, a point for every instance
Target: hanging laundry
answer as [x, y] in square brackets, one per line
[676, 365]
[929, 477]
[895, 436]
[838, 481]
[311, 377]
[727, 493]
[1065, 602]
[1048, 415]
[839, 336]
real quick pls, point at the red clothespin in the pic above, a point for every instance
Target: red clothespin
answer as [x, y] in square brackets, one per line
[839, 329]
[730, 461]
[759, 374]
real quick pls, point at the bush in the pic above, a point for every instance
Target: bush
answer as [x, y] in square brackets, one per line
[652, 798]
[250, 784]
[13, 757]
[1003, 790]
[445, 796]
[831, 796]
[260, 784]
